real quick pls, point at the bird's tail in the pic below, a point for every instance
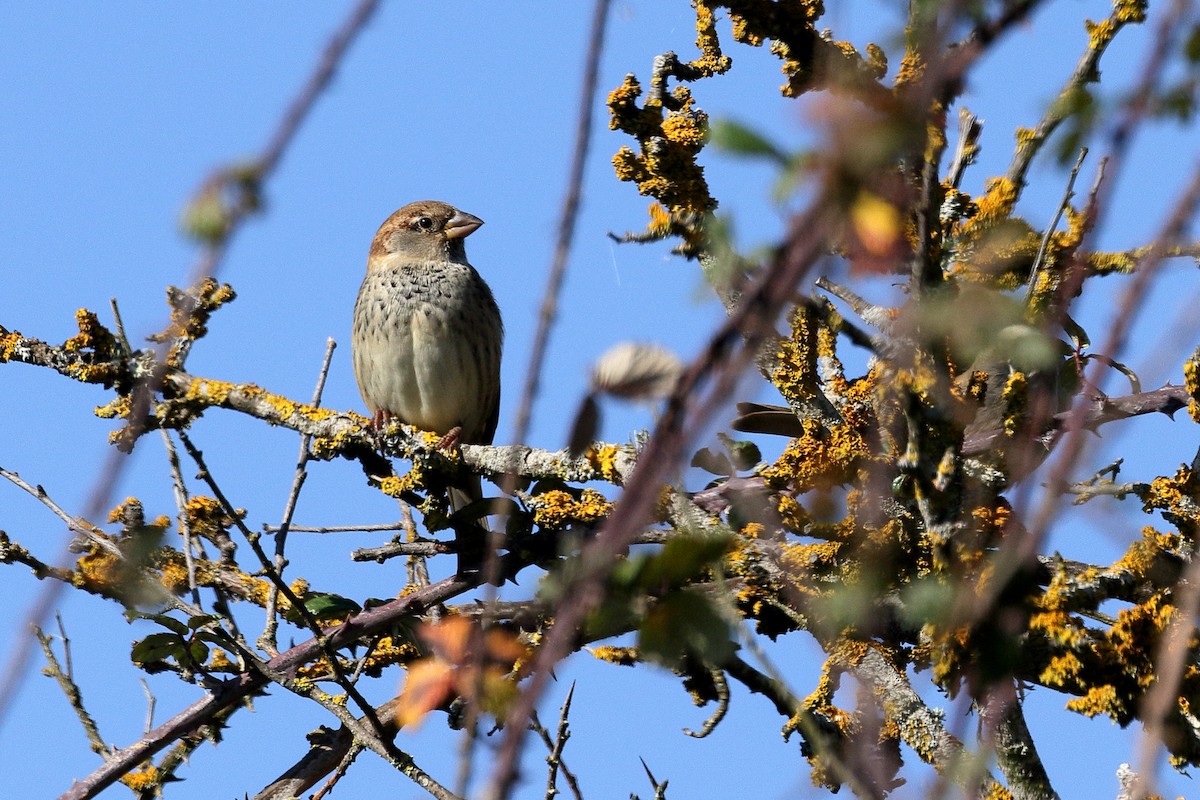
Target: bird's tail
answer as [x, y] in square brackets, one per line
[470, 531]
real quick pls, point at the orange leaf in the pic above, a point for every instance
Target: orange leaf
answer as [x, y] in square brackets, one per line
[429, 685]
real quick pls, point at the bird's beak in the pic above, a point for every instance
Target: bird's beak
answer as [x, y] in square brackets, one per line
[461, 225]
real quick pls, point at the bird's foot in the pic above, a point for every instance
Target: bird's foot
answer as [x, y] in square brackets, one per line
[379, 420]
[450, 440]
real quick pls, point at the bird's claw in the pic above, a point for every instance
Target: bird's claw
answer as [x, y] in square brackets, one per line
[450, 440]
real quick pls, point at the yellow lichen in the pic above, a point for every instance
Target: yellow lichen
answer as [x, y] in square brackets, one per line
[711, 61]
[995, 791]
[9, 343]
[117, 407]
[327, 447]
[1063, 670]
[998, 201]
[208, 391]
[96, 348]
[1025, 137]
[1130, 10]
[1144, 554]
[206, 517]
[660, 220]
[558, 509]
[819, 458]
[1100, 33]
[1016, 401]
[173, 575]
[803, 558]
[1102, 699]
[622, 656]
[395, 486]
[604, 461]
[388, 651]
[142, 780]
[687, 129]
[1176, 497]
[911, 70]
[92, 336]
[1059, 628]
[219, 662]
[795, 373]
[1191, 381]
[792, 515]
[129, 508]
[100, 572]
[1119, 263]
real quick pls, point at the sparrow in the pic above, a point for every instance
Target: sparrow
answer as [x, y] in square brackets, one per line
[427, 333]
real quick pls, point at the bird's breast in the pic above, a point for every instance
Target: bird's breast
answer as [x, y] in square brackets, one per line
[426, 346]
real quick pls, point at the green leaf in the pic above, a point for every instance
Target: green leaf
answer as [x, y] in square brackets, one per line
[205, 218]
[216, 639]
[744, 455]
[170, 623]
[1076, 333]
[325, 606]
[734, 137]
[681, 559]
[157, 647]
[685, 623]
[200, 620]
[1191, 48]
[712, 462]
[929, 600]
[197, 651]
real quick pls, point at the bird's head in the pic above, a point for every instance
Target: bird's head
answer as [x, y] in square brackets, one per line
[427, 230]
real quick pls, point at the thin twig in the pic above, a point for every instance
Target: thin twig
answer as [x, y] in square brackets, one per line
[722, 688]
[120, 326]
[1073, 439]
[419, 549]
[70, 688]
[554, 761]
[340, 772]
[329, 651]
[416, 568]
[660, 789]
[151, 702]
[386, 526]
[267, 639]
[232, 692]
[79, 525]
[568, 217]
[102, 492]
[185, 527]
[969, 129]
[1062, 207]
[1060, 110]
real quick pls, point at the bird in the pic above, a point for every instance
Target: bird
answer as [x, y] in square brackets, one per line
[428, 334]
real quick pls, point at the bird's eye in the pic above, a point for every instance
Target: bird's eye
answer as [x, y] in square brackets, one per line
[424, 223]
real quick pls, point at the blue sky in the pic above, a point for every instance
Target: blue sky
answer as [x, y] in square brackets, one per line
[113, 114]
